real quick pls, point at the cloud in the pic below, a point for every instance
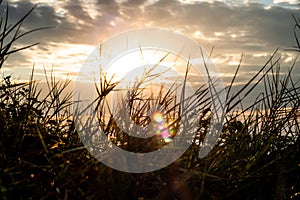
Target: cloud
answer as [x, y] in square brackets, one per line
[248, 27]
[134, 2]
[286, 1]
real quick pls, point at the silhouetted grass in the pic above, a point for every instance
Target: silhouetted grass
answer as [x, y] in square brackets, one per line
[256, 157]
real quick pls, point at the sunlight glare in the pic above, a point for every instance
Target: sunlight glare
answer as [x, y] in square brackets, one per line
[145, 59]
[158, 117]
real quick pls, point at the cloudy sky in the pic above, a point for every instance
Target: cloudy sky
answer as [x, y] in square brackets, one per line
[252, 27]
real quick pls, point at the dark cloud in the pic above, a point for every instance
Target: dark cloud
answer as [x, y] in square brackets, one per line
[76, 10]
[41, 16]
[255, 28]
[258, 28]
[107, 7]
[75, 26]
[248, 28]
[134, 2]
[106, 2]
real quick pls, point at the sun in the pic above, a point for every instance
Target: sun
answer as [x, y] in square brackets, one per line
[134, 64]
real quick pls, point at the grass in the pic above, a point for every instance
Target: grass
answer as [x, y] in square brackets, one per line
[256, 157]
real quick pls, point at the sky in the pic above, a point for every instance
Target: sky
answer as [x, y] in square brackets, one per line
[254, 28]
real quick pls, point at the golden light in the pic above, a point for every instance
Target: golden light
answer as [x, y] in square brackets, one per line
[133, 64]
[158, 117]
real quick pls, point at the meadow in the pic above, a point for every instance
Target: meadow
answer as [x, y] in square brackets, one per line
[42, 157]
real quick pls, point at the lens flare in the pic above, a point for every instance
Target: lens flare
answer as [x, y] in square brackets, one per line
[163, 130]
[158, 117]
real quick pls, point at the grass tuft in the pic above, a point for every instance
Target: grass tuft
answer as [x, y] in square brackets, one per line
[256, 156]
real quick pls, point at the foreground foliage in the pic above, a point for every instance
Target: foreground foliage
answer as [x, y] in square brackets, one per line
[42, 156]
[257, 155]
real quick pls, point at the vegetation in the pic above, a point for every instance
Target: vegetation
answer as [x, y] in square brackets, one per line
[256, 157]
